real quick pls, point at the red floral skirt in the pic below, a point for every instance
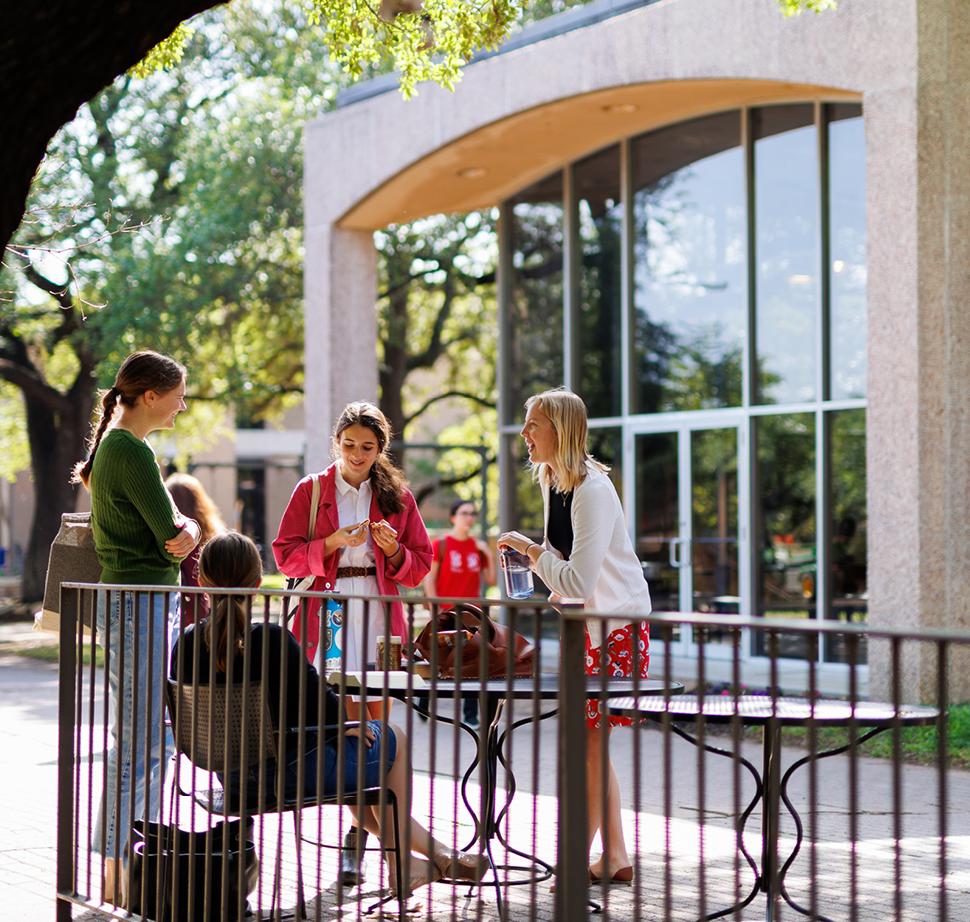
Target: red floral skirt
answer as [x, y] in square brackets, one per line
[619, 665]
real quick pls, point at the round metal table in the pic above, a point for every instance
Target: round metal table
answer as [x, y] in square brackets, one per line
[489, 752]
[771, 788]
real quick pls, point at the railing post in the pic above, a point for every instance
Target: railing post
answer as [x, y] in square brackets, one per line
[572, 868]
[67, 664]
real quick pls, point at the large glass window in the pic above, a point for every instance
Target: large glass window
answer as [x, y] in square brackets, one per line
[785, 522]
[600, 218]
[748, 243]
[658, 517]
[606, 445]
[848, 521]
[690, 290]
[534, 310]
[847, 246]
[786, 252]
[526, 505]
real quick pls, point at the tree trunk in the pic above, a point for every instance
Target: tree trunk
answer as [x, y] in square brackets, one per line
[55, 56]
[56, 444]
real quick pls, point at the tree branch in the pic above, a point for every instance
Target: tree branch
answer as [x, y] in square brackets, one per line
[431, 401]
[33, 385]
[425, 490]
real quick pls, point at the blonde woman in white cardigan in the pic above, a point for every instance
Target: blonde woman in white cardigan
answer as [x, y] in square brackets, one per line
[587, 554]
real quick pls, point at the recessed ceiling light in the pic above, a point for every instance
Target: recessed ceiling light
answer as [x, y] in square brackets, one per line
[472, 172]
[620, 108]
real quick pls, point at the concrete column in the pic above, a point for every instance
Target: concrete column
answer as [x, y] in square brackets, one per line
[919, 351]
[340, 325]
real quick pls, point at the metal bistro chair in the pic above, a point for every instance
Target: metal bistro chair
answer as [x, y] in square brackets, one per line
[213, 747]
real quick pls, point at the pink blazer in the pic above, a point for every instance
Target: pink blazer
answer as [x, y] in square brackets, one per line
[295, 556]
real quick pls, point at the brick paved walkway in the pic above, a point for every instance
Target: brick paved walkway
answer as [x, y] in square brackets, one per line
[27, 824]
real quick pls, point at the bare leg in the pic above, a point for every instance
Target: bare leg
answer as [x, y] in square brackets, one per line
[604, 818]
[443, 861]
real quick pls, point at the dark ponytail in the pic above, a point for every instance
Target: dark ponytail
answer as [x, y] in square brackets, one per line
[140, 372]
[229, 561]
[387, 480]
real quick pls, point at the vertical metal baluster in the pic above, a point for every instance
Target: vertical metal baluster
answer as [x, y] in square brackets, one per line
[206, 884]
[852, 644]
[736, 744]
[942, 759]
[897, 769]
[433, 732]
[92, 676]
[281, 731]
[105, 709]
[265, 744]
[536, 736]
[573, 858]
[700, 634]
[227, 755]
[300, 762]
[78, 641]
[813, 782]
[636, 729]
[120, 724]
[667, 631]
[606, 834]
[365, 678]
[321, 758]
[150, 680]
[67, 663]
[178, 674]
[771, 778]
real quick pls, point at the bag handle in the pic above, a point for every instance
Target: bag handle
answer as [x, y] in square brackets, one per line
[310, 529]
[314, 505]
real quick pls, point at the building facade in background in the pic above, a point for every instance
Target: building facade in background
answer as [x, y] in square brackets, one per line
[743, 239]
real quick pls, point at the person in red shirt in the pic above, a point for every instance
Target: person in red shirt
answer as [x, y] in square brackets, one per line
[462, 569]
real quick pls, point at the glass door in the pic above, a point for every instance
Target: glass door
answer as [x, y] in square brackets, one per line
[686, 523]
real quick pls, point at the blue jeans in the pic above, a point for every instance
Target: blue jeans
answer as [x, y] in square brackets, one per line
[374, 769]
[133, 776]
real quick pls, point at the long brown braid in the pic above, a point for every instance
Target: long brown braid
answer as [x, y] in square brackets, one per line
[140, 372]
[387, 480]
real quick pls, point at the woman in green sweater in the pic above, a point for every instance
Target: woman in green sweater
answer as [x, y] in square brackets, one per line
[140, 538]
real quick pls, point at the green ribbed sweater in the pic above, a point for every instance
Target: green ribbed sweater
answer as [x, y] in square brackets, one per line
[132, 514]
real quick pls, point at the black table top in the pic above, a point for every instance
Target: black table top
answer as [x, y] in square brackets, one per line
[759, 709]
[546, 688]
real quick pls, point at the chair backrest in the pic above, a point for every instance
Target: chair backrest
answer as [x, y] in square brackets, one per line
[208, 721]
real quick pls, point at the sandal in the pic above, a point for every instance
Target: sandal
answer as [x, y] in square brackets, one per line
[462, 865]
[423, 872]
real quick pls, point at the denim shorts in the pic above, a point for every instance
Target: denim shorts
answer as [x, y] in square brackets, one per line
[374, 768]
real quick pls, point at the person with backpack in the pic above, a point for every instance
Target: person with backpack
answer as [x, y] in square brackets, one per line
[462, 569]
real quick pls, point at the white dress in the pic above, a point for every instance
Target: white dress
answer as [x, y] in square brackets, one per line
[353, 506]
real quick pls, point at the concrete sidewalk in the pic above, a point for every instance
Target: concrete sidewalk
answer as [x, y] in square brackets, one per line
[28, 694]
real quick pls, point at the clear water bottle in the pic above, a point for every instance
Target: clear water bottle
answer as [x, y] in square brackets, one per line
[518, 574]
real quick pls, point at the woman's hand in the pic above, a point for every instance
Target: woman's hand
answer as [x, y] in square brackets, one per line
[515, 540]
[385, 537]
[351, 535]
[368, 733]
[185, 541]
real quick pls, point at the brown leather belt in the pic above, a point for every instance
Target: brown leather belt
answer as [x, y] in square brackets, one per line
[349, 572]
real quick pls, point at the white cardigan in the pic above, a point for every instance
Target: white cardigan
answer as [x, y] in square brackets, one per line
[603, 568]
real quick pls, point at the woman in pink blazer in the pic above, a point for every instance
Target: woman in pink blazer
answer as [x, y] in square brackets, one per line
[369, 536]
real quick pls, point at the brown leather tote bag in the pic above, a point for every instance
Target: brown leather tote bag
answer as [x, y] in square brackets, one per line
[482, 631]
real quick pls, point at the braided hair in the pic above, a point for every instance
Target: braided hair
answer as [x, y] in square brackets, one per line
[140, 372]
[387, 480]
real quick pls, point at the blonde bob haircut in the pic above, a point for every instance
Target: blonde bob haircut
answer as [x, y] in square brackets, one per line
[567, 413]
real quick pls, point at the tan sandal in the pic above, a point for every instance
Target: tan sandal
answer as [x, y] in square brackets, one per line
[462, 865]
